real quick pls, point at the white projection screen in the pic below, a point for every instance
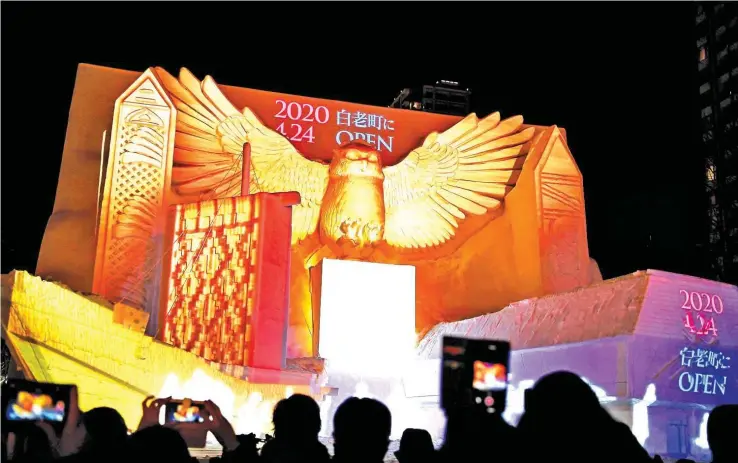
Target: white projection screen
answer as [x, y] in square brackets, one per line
[367, 317]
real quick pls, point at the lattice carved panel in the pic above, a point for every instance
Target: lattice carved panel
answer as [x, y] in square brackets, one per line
[211, 282]
[131, 225]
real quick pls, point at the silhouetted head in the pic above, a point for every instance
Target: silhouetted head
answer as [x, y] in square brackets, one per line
[157, 444]
[296, 418]
[296, 426]
[559, 391]
[722, 431]
[361, 430]
[357, 159]
[561, 397]
[106, 430]
[416, 445]
[562, 405]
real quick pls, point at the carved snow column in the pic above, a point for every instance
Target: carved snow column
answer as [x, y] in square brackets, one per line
[564, 251]
[132, 217]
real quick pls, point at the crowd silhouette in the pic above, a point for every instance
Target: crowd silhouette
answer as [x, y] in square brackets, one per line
[559, 406]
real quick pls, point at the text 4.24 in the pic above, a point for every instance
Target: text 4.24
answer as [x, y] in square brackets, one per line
[299, 118]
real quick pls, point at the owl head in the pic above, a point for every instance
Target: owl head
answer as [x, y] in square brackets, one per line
[357, 159]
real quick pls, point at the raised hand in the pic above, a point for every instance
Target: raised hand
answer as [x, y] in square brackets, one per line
[151, 407]
[221, 427]
[73, 434]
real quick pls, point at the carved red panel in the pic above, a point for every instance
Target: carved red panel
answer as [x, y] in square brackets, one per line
[225, 297]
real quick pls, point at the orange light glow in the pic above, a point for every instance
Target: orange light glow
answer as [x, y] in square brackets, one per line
[114, 366]
[208, 304]
[213, 303]
[488, 209]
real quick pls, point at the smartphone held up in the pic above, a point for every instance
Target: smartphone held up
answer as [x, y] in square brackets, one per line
[190, 418]
[28, 402]
[474, 374]
[185, 411]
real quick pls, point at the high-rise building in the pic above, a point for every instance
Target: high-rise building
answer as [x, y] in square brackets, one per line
[717, 67]
[444, 97]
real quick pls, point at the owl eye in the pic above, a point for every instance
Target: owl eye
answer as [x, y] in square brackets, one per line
[351, 155]
[373, 158]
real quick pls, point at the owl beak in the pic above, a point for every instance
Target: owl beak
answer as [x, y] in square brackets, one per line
[364, 164]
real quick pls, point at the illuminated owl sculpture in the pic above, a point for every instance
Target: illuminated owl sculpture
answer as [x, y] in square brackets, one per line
[354, 205]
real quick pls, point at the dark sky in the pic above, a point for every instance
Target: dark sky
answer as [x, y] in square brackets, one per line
[618, 76]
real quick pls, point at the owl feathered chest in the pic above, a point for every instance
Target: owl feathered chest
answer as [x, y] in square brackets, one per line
[353, 207]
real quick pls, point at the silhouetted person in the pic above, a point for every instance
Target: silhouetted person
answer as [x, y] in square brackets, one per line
[564, 420]
[31, 445]
[416, 446]
[472, 432]
[361, 431]
[157, 444]
[296, 427]
[106, 435]
[722, 433]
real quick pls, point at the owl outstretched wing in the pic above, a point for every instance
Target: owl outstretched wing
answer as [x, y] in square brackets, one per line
[208, 146]
[468, 169]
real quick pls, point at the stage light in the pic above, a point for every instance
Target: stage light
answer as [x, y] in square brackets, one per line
[641, 428]
[701, 440]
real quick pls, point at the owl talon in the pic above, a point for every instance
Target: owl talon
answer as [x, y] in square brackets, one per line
[351, 230]
[359, 233]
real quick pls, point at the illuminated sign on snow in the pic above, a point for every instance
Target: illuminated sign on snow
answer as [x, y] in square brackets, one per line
[361, 120]
[708, 380]
[699, 308]
[299, 120]
[702, 368]
[302, 117]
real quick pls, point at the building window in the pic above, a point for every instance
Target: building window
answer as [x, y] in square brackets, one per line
[701, 17]
[710, 174]
[714, 213]
[704, 88]
[707, 111]
[725, 103]
[722, 54]
[721, 30]
[701, 42]
[703, 54]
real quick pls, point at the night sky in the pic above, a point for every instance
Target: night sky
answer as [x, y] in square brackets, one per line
[619, 77]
